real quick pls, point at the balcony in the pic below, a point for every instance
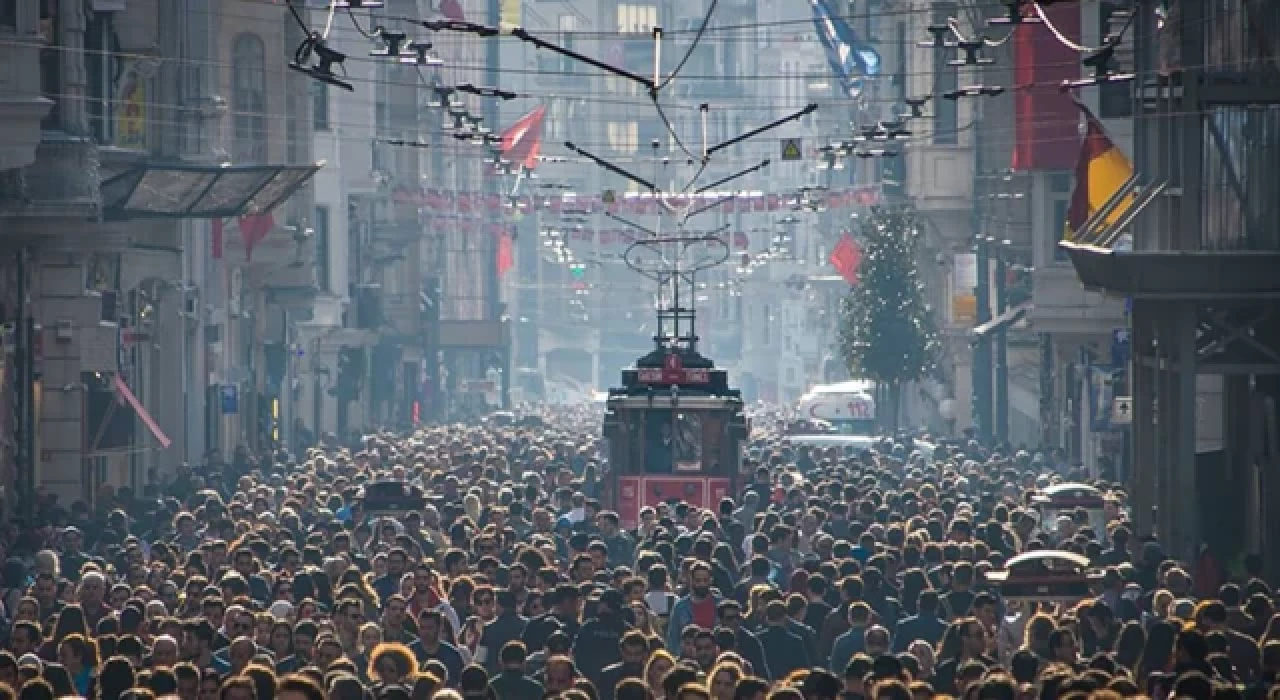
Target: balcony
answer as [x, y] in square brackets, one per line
[1234, 251]
[402, 315]
[63, 182]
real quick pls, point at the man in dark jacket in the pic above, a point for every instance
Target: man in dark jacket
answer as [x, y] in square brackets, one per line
[565, 604]
[511, 681]
[635, 651]
[508, 626]
[599, 642]
[1241, 648]
[730, 616]
[924, 625]
[785, 651]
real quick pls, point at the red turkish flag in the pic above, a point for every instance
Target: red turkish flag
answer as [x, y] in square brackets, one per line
[253, 230]
[215, 244]
[452, 10]
[506, 256]
[846, 258]
[522, 141]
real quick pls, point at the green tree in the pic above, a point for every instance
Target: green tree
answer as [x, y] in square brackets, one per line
[886, 332]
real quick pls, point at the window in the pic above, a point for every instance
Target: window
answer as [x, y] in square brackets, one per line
[637, 18]
[50, 62]
[319, 105]
[945, 79]
[9, 14]
[568, 25]
[248, 100]
[99, 70]
[323, 280]
[624, 137]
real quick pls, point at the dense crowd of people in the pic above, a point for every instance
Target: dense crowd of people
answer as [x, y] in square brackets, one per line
[833, 574]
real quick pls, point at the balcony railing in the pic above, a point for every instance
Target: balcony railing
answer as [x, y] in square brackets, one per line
[1240, 192]
[1241, 35]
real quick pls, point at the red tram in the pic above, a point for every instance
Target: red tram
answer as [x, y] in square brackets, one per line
[675, 431]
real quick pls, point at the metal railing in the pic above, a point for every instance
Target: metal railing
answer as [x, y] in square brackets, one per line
[1241, 179]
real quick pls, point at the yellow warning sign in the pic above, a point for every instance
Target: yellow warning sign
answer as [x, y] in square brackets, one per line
[791, 149]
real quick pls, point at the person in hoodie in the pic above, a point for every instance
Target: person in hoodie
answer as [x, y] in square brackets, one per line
[598, 643]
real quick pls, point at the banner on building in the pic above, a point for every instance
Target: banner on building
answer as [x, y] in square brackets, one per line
[512, 14]
[131, 112]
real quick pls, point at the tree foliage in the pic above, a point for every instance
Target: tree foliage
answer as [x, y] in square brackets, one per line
[886, 329]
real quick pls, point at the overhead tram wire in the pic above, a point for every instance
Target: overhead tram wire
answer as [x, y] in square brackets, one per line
[746, 26]
[516, 71]
[996, 142]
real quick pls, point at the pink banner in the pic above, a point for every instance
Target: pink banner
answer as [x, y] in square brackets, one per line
[142, 412]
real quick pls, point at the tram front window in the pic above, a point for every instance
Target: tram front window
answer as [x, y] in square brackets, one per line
[673, 442]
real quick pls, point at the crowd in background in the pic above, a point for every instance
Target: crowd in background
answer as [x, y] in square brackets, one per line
[833, 573]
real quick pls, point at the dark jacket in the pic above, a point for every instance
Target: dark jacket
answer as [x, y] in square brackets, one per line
[614, 674]
[784, 650]
[1244, 655]
[926, 626]
[596, 645]
[446, 654]
[514, 685]
[833, 627]
[750, 649]
[542, 627]
[506, 627]
[806, 635]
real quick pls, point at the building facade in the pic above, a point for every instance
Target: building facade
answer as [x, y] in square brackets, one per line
[113, 176]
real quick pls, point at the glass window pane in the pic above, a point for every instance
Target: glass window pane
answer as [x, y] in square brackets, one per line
[278, 189]
[232, 190]
[165, 191]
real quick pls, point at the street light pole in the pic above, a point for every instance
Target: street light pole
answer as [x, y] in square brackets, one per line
[1001, 431]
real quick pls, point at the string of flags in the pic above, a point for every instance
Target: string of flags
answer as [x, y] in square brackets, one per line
[739, 240]
[464, 202]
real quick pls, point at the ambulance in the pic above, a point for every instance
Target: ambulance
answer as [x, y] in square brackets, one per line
[848, 407]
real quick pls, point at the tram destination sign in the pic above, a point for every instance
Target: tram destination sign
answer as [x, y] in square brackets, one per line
[673, 371]
[656, 375]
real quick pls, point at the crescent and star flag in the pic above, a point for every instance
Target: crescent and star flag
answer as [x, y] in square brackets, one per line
[1101, 170]
[850, 57]
[846, 257]
[522, 141]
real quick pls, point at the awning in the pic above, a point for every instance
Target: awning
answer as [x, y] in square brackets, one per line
[141, 410]
[201, 191]
[1003, 321]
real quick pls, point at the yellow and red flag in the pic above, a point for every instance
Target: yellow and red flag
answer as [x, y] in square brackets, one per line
[1101, 170]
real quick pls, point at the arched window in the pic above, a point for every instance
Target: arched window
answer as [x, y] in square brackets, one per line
[248, 99]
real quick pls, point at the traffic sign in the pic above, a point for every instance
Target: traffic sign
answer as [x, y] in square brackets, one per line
[791, 150]
[230, 399]
[609, 197]
[1122, 410]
